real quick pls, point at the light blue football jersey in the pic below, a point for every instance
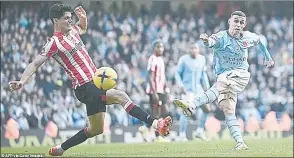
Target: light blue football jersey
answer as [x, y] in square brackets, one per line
[231, 53]
[191, 73]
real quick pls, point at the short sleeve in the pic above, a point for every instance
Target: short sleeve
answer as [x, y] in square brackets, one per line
[256, 39]
[216, 39]
[151, 63]
[49, 49]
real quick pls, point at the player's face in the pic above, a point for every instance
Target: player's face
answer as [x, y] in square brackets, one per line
[64, 23]
[159, 48]
[194, 50]
[237, 24]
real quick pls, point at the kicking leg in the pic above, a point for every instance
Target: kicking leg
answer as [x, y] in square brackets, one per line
[208, 97]
[119, 97]
[95, 128]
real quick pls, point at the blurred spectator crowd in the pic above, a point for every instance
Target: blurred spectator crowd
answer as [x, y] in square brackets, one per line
[121, 38]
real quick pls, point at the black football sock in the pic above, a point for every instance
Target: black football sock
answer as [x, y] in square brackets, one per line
[77, 139]
[139, 113]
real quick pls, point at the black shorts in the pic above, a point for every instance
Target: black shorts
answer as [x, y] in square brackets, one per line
[94, 98]
[162, 98]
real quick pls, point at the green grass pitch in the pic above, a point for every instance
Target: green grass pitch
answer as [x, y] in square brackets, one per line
[218, 148]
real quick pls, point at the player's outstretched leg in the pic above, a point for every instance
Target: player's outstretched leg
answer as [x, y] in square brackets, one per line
[228, 106]
[95, 128]
[97, 122]
[208, 97]
[114, 96]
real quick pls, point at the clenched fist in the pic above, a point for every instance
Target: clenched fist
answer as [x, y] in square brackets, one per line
[15, 85]
[80, 12]
[269, 63]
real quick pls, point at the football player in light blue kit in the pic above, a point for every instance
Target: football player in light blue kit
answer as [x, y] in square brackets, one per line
[191, 72]
[230, 49]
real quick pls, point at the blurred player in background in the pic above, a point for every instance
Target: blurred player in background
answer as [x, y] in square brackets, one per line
[190, 76]
[230, 49]
[156, 86]
[67, 48]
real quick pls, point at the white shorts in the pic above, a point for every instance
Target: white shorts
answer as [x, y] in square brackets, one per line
[235, 82]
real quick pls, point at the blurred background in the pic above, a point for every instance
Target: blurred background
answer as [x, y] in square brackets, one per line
[119, 35]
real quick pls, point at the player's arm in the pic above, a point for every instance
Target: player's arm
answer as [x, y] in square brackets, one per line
[267, 57]
[29, 71]
[48, 50]
[179, 72]
[204, 78]
[212, 41]
[150, 77]
[82, 23]
[268, 61]
[151, 68]
[150, 80]
[33, 67]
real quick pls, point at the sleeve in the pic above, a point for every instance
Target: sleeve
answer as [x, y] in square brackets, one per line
[49, 49]
[151, 64]
[215, 40]
[179, 72]
[256, 39]
[78, 29]
[264, 51]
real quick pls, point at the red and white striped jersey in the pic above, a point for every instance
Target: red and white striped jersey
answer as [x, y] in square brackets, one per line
[70, 52]
[156, 65]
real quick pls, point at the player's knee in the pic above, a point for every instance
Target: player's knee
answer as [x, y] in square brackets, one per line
[228, 111]
[114, 96]
[221, 86]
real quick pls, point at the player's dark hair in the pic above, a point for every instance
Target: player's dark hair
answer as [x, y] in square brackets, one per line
[239, 13]
[58, 10]
[154, 43]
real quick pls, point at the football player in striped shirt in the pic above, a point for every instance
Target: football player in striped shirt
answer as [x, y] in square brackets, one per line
[67, 48]
[156, 87]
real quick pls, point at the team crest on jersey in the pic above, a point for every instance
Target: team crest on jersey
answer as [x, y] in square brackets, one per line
[245, 44]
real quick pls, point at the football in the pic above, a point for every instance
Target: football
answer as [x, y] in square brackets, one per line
[105, 78]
